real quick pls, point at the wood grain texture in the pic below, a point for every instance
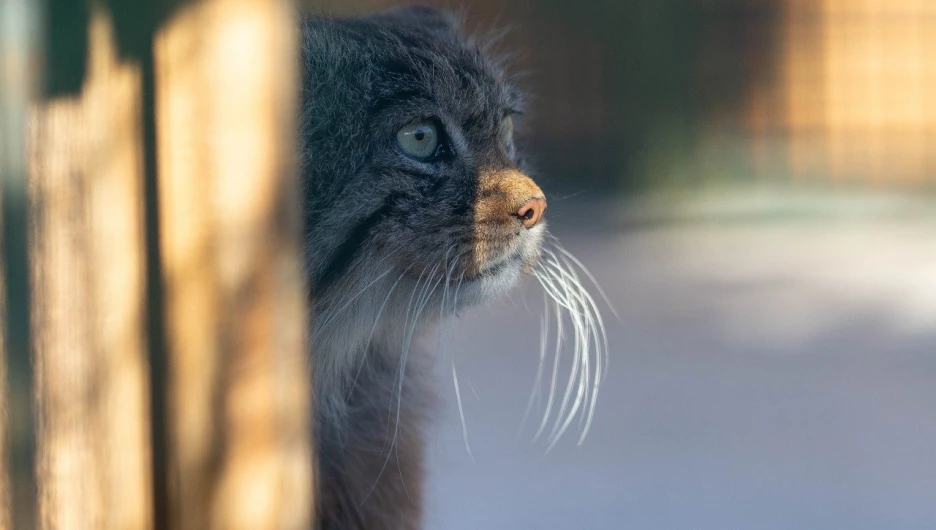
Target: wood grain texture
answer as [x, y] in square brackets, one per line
[87, 247]
[209, 98]
[233, 285]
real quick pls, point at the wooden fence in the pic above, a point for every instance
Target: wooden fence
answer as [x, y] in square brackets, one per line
[154, 350]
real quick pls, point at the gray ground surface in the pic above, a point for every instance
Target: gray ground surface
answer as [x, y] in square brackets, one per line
[775, 369]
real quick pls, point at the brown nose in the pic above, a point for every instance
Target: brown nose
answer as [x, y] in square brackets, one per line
[532, 211]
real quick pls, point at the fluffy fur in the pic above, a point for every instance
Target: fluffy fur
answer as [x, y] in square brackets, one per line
[395, 243]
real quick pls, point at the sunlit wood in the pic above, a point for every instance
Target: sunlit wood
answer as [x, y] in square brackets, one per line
[87, 248]
[234, 291]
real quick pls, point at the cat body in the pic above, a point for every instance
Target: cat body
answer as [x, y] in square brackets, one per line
[416, 206]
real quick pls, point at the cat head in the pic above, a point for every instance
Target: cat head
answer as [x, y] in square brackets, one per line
[417, 201]
[409, 156]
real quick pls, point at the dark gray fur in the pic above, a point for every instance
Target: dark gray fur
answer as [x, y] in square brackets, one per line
[372, 210]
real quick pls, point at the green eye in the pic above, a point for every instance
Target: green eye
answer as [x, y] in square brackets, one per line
[418, 139]
[507, 129]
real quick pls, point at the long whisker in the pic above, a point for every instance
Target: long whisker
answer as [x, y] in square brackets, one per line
[410, 307]
[556, 274]
[583, 322]
[538, 380]
[588, 274]
[461, 412]
[392, 439]
[572, 401]
[560, 339]
[458, 399]
[593, 306]
[421, 301]
[601, 346]
[425, 296]
[370, 336]
[335, 313]
[598, 331]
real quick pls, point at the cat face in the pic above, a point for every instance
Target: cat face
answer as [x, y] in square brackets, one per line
[410, 160]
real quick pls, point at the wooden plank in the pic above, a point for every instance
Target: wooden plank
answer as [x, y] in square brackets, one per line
[234, 291]
[88, 276]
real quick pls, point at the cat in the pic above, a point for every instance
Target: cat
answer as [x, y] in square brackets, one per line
[417, 204]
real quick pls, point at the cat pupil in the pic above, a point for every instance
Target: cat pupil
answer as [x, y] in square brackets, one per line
[419, 136]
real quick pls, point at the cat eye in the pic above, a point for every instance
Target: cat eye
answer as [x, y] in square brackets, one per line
[419, 140]
[507, 129]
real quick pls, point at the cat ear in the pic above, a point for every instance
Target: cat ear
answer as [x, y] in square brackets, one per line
[423, 17]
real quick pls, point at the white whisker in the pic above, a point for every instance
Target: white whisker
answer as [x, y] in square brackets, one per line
[557, 274]
[399, 393]
[370, 336]
[334, 314]
[598, 331]
[588, 328]
[588, 274]
[461, 412]
[560, 339]
[538, 380]
[458, 399]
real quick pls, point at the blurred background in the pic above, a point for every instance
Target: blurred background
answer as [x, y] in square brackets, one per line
[629, 95]
[752, 183]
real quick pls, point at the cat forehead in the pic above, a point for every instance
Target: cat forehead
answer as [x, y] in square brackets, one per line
[428, 58]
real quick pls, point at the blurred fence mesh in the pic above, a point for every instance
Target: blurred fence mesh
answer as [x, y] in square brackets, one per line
[859, 89]
[629, 94]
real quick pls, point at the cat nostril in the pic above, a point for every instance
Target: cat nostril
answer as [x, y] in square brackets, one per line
[532, 211]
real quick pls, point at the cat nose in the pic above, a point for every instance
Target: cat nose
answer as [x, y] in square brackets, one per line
[532, 211]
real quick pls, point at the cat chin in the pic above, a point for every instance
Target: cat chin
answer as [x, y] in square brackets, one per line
[490, 285]
[498, 280]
